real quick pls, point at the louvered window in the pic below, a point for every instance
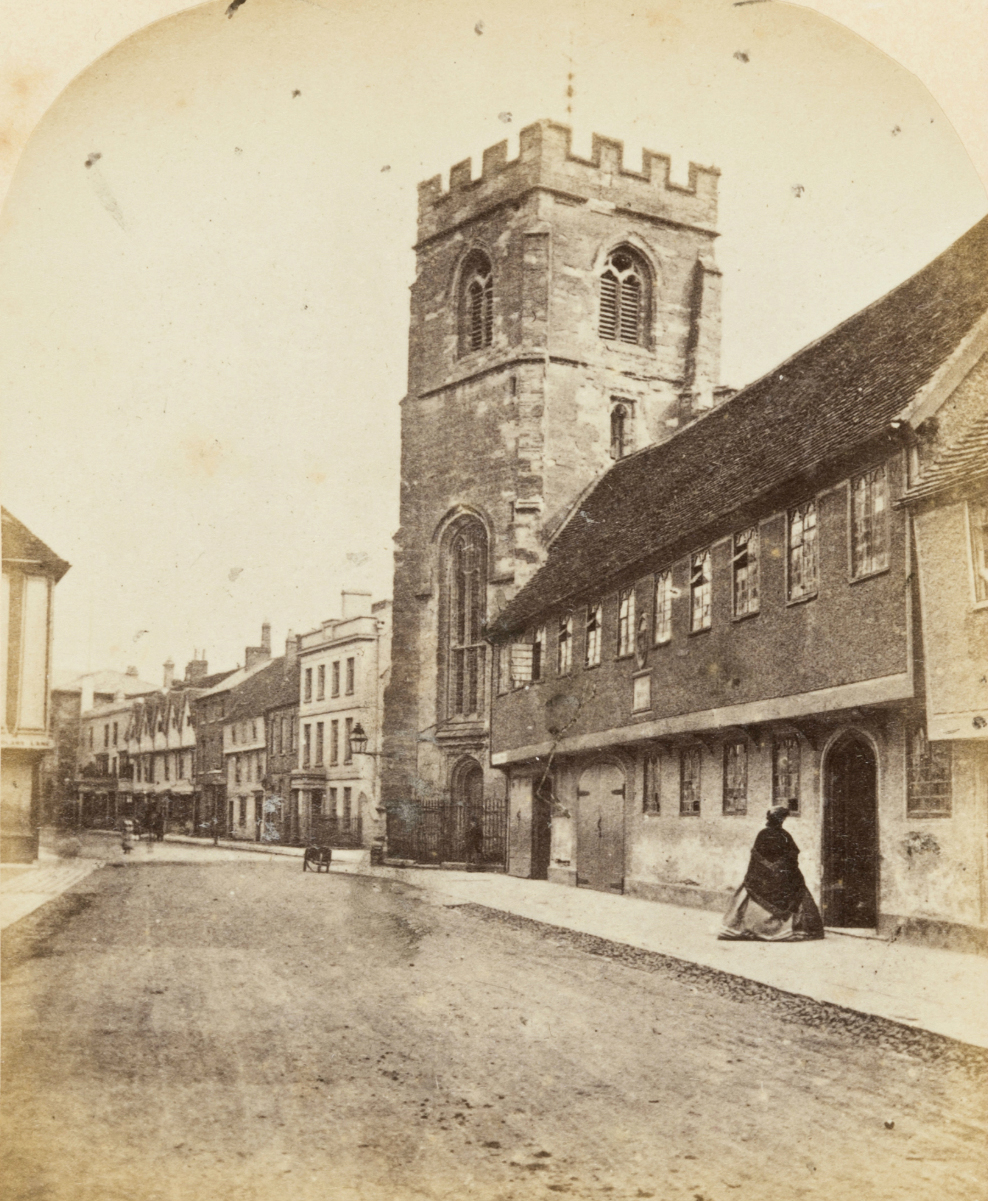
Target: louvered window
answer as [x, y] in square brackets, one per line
[622, 298]
[477, 303]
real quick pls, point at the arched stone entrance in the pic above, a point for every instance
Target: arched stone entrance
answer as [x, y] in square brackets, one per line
[600, 828]
[850, 833]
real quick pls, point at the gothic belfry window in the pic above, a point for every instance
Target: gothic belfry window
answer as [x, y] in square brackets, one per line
[623, 298]
[466, 608]
[476, 303]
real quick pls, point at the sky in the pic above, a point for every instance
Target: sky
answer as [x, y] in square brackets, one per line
[205, 253]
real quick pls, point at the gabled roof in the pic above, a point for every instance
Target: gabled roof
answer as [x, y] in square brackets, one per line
[21, 546]
[957, 466]
[275, 684]
[781, 434]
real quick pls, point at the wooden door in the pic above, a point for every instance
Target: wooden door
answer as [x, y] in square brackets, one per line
[850, 835]
[541, 831]
[600, 828]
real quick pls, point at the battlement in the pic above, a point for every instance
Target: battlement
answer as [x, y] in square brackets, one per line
[545, 161]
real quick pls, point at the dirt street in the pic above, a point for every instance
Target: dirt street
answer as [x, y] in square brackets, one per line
[239, 1029]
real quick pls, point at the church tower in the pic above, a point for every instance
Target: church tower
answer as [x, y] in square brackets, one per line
[565, 312]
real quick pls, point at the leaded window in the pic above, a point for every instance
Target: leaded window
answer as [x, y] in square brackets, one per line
[804, 572]
[538, 652]
[564, 646]
[736, 777]
[623, 298]
[626, 622]
[663, 607]
[594, 622]
[652, 782]
[466, 612]
[869, 522]
[744, 568]
[689, 780]
[928, 783]
[477, 303]
[785, 772]
[701, 578]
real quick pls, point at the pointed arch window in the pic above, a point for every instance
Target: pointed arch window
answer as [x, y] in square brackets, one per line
[476, 303]
[623, 298]
[466, 611]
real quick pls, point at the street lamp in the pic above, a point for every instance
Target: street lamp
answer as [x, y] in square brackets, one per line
[358, 740]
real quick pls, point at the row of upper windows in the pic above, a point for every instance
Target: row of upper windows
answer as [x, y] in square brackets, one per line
[928, 776]
[623, 310]
[869, 554]
[320, 678]
[314, 748]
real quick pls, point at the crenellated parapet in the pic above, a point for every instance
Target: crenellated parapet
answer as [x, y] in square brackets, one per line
[545, 161]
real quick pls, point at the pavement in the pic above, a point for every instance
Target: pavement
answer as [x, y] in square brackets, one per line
[925, 988]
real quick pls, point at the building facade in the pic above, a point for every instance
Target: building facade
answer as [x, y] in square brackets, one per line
[252, 739]
[344, 667]
[736, 620]
[565, 312]
[30, 572]
[212, 707]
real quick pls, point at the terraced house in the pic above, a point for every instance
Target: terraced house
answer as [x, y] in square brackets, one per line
[783, 603]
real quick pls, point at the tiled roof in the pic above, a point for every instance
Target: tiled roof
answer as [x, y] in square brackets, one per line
[275, 684]
[20, 545]
[776, 437]
[965, 462]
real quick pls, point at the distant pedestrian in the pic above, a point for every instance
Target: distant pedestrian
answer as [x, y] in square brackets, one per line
[127, 835]
[773, 904]
[474, 841]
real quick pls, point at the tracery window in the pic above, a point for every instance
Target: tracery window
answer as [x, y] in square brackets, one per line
[623, 297]
[700, 590]
[689, 780]
[476, 303]
[466, 610]
[736, 777]
[785, 772]
[594, 624]
[619, 432]
[652, 782]
[745, 571]
[626, 622]
[564, 646]
[869, 523]
[804, 578]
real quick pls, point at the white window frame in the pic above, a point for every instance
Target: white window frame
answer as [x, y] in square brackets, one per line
[864, 487]
[792, 596]
[702, 587]
[564, 645]
[626, 623]
[594, 635]
[746, 572]
[662, 613]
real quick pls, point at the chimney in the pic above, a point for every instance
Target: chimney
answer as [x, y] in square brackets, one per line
[253, 655]
[291, 649]
[86, 699]
[356, 604]
[169, 676]
[196, 669]
[702, 342]
[132, 672]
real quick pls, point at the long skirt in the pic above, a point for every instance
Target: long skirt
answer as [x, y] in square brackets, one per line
[747, 919]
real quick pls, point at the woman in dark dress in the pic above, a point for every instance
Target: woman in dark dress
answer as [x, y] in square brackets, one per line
[773, 904]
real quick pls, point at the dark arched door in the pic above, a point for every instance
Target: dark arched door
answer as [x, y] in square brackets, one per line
[850, 834]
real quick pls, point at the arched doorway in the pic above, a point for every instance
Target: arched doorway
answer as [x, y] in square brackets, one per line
[462, 828]
[850, 834]
[600, 828]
